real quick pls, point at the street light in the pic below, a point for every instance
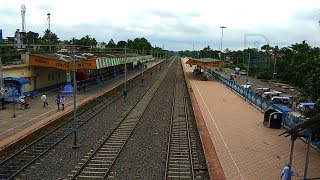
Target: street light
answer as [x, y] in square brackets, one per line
[248, 68]
[74, 129]
[125, 73]
[142, 78]
[222, 27]
[274, 68]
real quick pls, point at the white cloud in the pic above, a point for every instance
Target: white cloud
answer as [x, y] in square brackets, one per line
[172, 21]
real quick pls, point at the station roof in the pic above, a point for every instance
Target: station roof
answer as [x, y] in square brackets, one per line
[88, 60]
[80, 56]
[205, 62]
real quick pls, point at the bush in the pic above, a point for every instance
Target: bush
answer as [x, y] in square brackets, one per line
[264, 75]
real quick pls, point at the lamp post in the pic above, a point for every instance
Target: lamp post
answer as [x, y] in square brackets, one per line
[142, 78]
[274, 68]
[222, 27]
[49, 32]
[1, 86]
[74, 129]
[248, 68]
[125, 73]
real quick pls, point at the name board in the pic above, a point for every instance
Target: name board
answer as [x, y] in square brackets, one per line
[87, 64]
[54, 63]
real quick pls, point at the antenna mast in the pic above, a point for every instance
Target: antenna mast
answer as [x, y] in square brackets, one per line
[23, 14]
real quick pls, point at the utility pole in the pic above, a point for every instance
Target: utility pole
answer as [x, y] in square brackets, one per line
[248, 68]
[1, 86]
[163, 50]
[125, 74]
[74, 129]
[49, 32]
[142, 78]
[274, 68]
[1, 75]
[193, 51]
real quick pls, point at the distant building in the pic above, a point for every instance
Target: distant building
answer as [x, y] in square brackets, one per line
[101, 45]
[20, 41]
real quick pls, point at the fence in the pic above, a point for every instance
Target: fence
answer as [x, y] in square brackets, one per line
[289, 120]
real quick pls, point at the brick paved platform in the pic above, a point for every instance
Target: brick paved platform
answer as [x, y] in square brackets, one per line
[29, 120]
[245, 147]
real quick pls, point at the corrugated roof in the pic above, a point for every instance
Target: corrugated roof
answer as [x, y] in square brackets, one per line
[79, 56]
[205, 59]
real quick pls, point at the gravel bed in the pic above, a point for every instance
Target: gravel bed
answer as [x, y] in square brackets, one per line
[145, 154]
[143, 157]
[59, 162]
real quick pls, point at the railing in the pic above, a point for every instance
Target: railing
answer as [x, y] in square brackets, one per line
[289, 119]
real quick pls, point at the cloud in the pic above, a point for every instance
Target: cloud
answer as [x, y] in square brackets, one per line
[178, 24]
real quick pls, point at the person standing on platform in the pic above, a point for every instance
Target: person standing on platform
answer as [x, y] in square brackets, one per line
[285, 173]
[62, 101]
[2, 98]
[44, 100]
[78, 89]
[58, 102]
[84, 86]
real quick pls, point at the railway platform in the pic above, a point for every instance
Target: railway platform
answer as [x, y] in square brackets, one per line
[236, 143]
[28, 121]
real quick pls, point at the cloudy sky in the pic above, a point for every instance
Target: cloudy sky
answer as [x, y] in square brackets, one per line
[176, 24]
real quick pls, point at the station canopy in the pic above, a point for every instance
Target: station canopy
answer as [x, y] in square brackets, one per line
[82, 60]
[205, 62]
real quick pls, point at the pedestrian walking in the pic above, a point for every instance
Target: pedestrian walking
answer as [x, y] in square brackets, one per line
[285, 173]
[78, 89]
[84, 87]
[2, 91]
[44, 100]
[58, 102]
[62, 101]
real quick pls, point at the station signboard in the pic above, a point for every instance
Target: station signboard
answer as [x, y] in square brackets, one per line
[54, 63]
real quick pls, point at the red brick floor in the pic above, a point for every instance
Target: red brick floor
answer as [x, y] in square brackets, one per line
[246, 148]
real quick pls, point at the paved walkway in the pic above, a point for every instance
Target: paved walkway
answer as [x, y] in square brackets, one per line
[245, 147]
[26, 120]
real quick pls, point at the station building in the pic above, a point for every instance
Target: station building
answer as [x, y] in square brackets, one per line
[45, 72]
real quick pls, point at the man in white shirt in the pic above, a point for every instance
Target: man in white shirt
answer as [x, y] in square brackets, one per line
[44, 100]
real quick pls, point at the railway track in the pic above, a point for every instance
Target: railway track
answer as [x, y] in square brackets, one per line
[179, 164]
[99, 161]
[20, 160]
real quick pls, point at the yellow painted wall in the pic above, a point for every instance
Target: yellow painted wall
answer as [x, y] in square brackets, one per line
[39, 77]
[49, 76]
[20, 71]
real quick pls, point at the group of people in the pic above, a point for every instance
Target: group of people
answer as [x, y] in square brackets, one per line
[84, 85]
[59, 101]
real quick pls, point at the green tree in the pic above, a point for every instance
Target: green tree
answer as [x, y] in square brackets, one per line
[111, 44]
[32, 37]
[8, 54]
[49, 39]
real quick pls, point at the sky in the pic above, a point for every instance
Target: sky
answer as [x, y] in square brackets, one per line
[174, 24]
